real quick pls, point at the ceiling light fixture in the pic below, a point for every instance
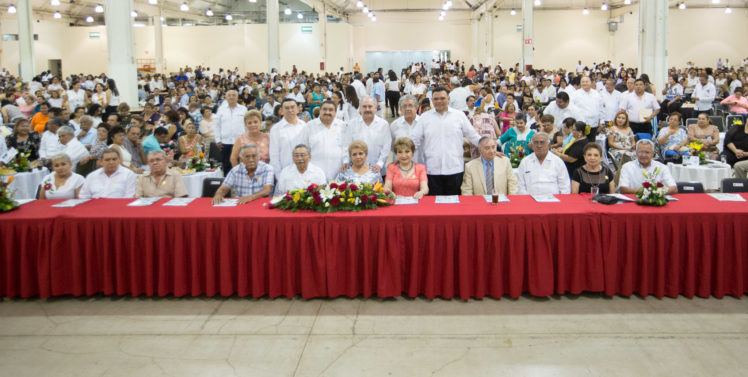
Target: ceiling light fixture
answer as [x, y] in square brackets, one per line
[682, 6]
[604, 6]
[209, 12]
[449, 3]
[586, 11]
[445, 7]
[229, 17]
[287, 11]
[374, 19]
[728, 10]
[99, 9]
[54, 3]
[359, 4]
[153, 2]
[184, 7]
[300, 16]
[538, 3]
[441, 18]
[715, 1]
[57, 15]
[365, 10]
[134, 13]
[12, 9]
[89, 19]
[627, 2]
[513, 12]
[252, 1]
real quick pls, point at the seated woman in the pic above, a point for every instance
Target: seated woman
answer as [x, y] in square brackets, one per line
[736, 144]
[485, 125]
[24, 139]
[359, 172]
[517, 136]
[573, 153]
[507, 116]
[738, 103]
[672, 138]
[707, 133]
[621, 139]
[405, 177]
[189, 143]
[592, 173]
[62, 183]
[116, 141]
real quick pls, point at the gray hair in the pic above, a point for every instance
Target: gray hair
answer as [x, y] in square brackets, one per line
[249, 146]
[645, 141]
[155, 152]
[86, 118]
[484, 138]
[539, 134]
[61, 155]
[111, 150]
[303, 146]
[369, 98]
[407, 97]
[67, 130]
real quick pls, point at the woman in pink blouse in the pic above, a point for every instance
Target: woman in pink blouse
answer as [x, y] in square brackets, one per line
[738, 102]
[405, 177]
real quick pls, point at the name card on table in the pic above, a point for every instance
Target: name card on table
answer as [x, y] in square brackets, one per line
[143, 202]
[691, 160]
[70, 203]
[545, 198]
[727, 197]
[227, 203]
[179, 202]
[23, 201]
[8, 155]
[502, 198]
[403, 200]
[447, 199]
[671, 198]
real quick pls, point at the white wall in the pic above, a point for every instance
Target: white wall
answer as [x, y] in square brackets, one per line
[561, 38]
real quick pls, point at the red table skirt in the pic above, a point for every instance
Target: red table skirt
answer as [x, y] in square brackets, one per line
[470, 250]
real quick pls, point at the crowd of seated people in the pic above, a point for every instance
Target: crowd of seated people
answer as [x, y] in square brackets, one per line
[272, 132]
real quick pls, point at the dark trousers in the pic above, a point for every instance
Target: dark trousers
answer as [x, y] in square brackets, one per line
[641, 128]
[226, 158]
[445, 184]
[593, 133]
[393, 97]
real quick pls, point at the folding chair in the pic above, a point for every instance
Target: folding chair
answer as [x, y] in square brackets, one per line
[690, 187]
[718, 121]
[210, 186]
[735, 185]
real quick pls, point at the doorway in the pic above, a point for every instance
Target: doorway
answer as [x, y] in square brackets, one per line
[55, 66]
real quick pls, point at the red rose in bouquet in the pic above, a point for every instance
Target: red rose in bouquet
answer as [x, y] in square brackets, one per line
[335, 201]
[646, 185]
[364, 198]
[354, 187]
[333, 185]
[317, 200]
[343, 186]
[660, 185]
[373, 198]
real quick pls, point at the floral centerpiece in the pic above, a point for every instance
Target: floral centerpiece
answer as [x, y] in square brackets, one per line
[652, 192]
[20, 163]
[695, 150]
[198, 162]
[517, 153]
[6, 196]
[335, 196]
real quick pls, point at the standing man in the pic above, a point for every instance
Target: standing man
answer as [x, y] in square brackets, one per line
[587, 101]
[283, 136]
[439, 134]
[610, 99]
[704, 94]
[641, 108]
[561, 109]
[325, 138]
[404, 126]
[372, 130]
[229, 125]
[458, 96]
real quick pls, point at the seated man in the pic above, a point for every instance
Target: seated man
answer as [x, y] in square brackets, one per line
[542, 173]
[498, 168]
[301, 174]
[160, 181]
[153, 142]
[110, 181]
[72, 146]
[251, 179]
[632, 176]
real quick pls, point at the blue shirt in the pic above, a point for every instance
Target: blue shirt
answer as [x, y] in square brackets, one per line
[89, 139]
[238, 179]
[487, 167]
[151, 144]
[378, 92]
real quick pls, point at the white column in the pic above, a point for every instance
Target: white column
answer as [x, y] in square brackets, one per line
[489, 34]
[653, 54]
[527, 34]
[323, 26]
[121, 46]
[273, 22]
[159, 42]
[475, 44]
[25, 40]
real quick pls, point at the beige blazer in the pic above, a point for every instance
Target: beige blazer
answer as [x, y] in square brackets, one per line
[474, 181]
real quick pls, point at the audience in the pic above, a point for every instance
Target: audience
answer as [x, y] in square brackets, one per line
[112, 180]
[572, 154]
[72, 148]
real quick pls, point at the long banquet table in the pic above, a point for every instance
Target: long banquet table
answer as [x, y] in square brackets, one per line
[693, 246]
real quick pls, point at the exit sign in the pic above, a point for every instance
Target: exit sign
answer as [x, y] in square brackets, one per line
[528, 41]
[306, 30]
[94, 35]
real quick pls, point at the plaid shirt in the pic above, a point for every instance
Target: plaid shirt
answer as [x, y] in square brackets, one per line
[238, 179]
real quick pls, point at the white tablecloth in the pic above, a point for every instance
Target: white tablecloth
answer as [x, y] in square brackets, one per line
[710, 177]
[194, 182]
[25, 184]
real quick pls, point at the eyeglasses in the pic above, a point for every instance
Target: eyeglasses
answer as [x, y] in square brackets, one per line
[300, 155]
